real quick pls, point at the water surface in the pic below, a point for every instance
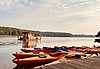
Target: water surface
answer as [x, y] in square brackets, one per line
[11, 45]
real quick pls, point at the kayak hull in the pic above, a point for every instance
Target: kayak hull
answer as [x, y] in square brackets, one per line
[35, 60]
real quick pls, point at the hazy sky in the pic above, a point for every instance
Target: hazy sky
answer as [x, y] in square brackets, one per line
[73, 16]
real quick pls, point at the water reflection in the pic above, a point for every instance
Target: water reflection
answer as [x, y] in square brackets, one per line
[30, 44]
[24, 67]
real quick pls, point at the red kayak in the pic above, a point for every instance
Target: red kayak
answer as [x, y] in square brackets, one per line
[38, 60]
[36, 50]
[30, 50]
[26, 55]
[79, 49]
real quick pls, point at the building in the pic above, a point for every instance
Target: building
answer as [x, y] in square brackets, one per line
[30, 35]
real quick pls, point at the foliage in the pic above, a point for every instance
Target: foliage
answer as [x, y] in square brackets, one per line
[16, 31]
[10, 31]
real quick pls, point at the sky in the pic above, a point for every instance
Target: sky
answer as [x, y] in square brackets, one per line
[71, 16]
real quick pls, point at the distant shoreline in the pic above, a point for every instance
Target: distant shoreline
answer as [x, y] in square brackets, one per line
[1, 36]
[10, 32]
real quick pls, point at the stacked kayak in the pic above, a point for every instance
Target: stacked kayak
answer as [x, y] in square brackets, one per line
[36, 56]
[38, 60]
[41, 56]
[26, 55]
[44, 49]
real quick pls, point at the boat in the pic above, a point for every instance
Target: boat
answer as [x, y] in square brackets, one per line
[79, 49]
[26, 55]
[30, 50]
[19, 55]
[75, 54]
[36, 50]
[93, 50]
[20, 38]
[38, 60]
[44, 49]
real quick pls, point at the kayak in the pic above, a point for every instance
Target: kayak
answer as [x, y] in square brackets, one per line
[30, 50]
[26, 55]
[44, 49]
[36, 50]
[38, 60]
[19, 55]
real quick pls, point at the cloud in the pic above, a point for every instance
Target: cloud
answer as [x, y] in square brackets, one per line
[52, 15]
[4, 15]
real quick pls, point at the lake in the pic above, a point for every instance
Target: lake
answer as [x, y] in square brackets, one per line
[9, 45]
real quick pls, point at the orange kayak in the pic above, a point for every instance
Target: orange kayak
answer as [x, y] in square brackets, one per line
[38, 60]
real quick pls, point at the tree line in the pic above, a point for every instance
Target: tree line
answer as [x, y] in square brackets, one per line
[18, 32]
[11, 31]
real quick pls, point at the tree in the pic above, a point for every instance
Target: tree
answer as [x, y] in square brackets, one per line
[98, 34]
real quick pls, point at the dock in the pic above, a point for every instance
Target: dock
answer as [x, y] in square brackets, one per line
[86, 63]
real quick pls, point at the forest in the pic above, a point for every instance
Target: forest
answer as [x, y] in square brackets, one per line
[18, 32]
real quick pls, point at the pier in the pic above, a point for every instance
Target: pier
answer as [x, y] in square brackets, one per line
[87, 63]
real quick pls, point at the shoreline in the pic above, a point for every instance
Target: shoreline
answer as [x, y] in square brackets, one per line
[3, 36]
